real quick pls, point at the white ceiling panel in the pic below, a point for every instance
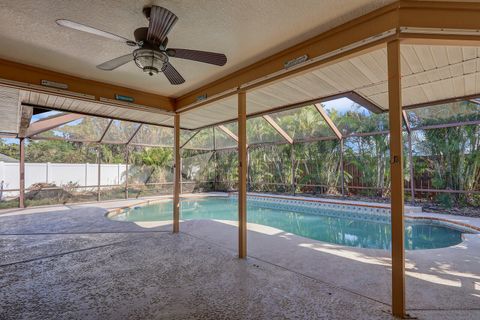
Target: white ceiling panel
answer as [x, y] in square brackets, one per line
[94, 108]
[429, 74]
[9, 110]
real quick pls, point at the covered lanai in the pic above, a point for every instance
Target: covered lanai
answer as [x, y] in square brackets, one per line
[347, 157]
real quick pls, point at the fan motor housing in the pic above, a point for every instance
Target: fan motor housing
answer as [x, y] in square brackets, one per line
[146, 12]
[140, 34]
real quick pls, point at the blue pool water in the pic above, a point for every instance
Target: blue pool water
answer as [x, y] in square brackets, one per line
[321, 225]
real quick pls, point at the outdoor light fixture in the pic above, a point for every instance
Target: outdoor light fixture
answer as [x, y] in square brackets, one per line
[152, 55]
[150, 61]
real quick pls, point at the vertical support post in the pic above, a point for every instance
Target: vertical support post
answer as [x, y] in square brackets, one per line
[181, 166]
[342, 170]
[99, 163]
[47, 171]
[215, 173]
[86, 175]
[410, 160]
[397, 180]
[248, 170]
[177, 175]
[118, 173]
[214, 157]
[242, 175]
[2, 178]
[292, 160]
[21, 202]
[127, 154]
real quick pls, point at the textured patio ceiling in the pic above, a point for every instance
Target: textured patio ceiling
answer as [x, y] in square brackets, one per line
[429, 74]
[246, 31]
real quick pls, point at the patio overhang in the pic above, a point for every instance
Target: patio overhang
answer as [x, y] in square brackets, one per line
[354, 55]
[406, 55]
[351, 52]
[28, 77]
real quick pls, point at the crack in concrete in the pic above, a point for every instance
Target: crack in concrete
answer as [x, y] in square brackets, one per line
[80, 233]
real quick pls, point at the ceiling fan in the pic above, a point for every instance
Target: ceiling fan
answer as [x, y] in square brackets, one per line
[151, 53]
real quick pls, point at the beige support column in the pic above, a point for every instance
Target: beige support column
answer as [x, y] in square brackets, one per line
[127, 156]
[177, 175]
[21, 202]
[242, 175]
[396, 171]
[99, 170]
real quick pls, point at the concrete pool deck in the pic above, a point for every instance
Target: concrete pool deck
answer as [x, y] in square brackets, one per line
[73, 262]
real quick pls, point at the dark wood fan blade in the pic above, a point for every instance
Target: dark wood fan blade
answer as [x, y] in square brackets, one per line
[81, 27]
[172, 75]
[115, 63]
[161, 22]
[217, 59]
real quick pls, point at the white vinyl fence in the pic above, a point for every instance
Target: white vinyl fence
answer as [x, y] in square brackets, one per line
[83, 174]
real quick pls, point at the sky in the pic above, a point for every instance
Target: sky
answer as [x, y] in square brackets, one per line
[341, 105]
[40, 116]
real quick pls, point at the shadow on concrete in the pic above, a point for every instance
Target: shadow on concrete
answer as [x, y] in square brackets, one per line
[440, 279]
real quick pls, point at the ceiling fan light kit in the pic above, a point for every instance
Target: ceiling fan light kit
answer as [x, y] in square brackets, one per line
[150, 61]
[152, 54]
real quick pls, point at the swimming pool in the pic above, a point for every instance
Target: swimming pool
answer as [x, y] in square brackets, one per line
[364, 229]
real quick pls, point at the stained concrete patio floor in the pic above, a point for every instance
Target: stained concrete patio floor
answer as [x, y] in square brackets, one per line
[72, 262]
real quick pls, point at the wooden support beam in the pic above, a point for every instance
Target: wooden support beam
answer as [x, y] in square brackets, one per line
[50, 123]
[228, 132]
[397, 185]
[364, 102]
[328, 120]
[177, 175]
[21, 198]
[26, 117]
[29, 75]
[242, 175]
[439, 15]
[435, 39]
[278, 128]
